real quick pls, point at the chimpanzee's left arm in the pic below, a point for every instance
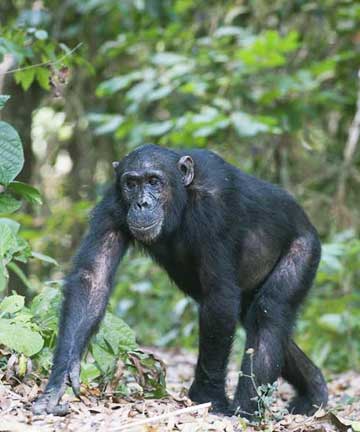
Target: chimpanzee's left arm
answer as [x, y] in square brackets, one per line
[86, 294]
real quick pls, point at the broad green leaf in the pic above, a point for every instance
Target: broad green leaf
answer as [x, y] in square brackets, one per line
[332, 322]
[104, 360]
[246, 125]
[44, 258]
[3, 100]
[12, 304]
[45, 308]
[11, 153]
[7, 239]
[268, 50]
[20, 338]
[4, 276]
[26, 191]
[8, 204]
[117, 334]
[140, 91]
[105, 123]
[159, 93]
[168, 59]
[43, 77]
[13, 225]
[157, 129]
[25, 77]
[111, 86]
[89, 372]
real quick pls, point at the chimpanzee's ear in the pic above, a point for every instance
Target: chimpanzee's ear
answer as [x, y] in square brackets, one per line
[115, 165]
[186, 167]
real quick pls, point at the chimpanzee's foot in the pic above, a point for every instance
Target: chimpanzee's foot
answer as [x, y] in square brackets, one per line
[204, 393]
[48, 403]
[303, 405]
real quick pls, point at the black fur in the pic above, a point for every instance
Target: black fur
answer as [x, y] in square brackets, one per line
[241, 247]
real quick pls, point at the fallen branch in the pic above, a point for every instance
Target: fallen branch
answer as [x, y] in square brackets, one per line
[166, 416]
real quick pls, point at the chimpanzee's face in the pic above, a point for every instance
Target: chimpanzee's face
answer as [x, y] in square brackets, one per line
[152, 183]
[145, 190]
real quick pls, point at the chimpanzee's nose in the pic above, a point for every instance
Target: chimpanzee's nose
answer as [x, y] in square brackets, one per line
[142, 204]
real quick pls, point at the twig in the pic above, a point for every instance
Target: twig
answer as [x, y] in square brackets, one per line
[158, 418]
[47, 63]
[349, 150]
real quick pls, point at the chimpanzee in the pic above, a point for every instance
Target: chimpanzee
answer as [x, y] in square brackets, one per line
[241, 247]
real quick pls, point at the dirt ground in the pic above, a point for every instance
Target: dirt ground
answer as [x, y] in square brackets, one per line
[176, 413]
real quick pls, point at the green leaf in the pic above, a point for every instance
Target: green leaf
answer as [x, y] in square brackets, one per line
[20, 338]
[13, 225]
[11, 153]
[332, 322]
[41, 34]
[43, 77]
[159, 93]
[158, 128]
[44, 258]
[117, 334]
[8, 204]
[7, 239]
[4, 276]
[25, 77]
[12, 304]
[168, 59]
[89, 372]
[3, 100]
[45, 307]
[111, 86]
[268, 50]
[246, 125]
[104, 360]
[26, 191]
[106, 123]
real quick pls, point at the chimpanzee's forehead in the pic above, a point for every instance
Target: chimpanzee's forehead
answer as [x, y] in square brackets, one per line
[150, 157]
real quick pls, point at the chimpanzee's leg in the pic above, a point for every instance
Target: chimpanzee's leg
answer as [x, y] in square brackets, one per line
[218, 318]
[270, 319]
[307, 379]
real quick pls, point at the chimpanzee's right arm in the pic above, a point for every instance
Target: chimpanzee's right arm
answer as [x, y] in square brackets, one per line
[86, 293]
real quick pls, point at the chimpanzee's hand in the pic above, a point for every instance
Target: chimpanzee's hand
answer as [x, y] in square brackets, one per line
[48, 402]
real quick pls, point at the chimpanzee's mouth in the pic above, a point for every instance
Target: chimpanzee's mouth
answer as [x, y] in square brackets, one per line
[146, 233]
[142, 228]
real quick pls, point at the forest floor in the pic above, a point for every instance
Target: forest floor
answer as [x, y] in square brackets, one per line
[176, 413]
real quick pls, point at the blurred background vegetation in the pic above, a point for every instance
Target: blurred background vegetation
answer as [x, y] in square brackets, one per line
[273, 87]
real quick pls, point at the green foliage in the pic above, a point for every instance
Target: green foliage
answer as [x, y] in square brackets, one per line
[31, 331]
[17, 332]
[12, 246]
[11, 153]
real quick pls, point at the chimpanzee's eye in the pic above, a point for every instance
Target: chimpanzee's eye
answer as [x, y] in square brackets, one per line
[154, 181]
[130, 183]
